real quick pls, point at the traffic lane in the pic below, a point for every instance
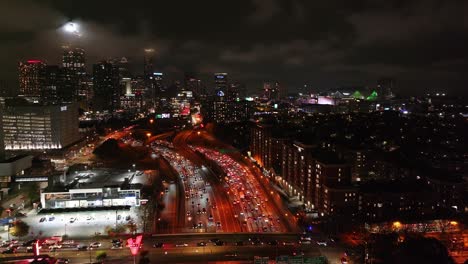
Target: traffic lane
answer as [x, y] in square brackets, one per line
[227, 220]
[190, 253]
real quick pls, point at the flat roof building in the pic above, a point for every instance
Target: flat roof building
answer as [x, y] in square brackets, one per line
[37, 127]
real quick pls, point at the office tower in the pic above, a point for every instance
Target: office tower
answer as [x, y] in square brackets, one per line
[221, 84]
[73, 73]
[123, 66]
[31, 78]
[106, 86]
[385, 88]
[148, 63]
[192, 83]
[33, 126]
[271, 90]
[51, 83]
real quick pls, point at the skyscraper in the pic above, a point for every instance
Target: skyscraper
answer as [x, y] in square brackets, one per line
[148, 63]
[385, 87]
[192, 83]
[271, 90]
[221, 84]
[52, 81]
[106, 86]
[31, 78]
[73, 73]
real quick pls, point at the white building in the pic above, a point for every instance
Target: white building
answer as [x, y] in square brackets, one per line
[37, 127]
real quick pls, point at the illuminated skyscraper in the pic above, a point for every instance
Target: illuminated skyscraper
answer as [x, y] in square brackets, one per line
[31, 78]
[221, 83]
[271, 90]
[73, 73]
[192, 83]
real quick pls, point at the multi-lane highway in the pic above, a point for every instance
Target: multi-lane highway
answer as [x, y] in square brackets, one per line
[188, 248]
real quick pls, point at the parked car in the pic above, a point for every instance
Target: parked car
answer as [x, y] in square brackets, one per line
[158, 245]
[95, 245]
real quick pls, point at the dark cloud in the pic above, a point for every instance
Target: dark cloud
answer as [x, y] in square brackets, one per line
[322, 43]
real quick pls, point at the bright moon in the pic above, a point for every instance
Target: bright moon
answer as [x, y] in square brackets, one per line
[71, 27]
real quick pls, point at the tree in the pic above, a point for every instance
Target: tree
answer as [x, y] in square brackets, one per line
[101, 255]
[33, 191]
[422, 250]
[19, 229]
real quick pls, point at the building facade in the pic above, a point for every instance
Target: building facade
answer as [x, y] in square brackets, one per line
[30, 127]
[31, 78]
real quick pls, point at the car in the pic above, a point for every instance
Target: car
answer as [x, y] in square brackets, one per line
[201, 244]
[128, 218]
[89, 217]
[42, 219]
[72, 220]
[29, 243]
[119, 217]
[82, 248]
[272, 243]
[55, 246]
[158, 245]
[322, 243]
[19, 214]
[116, 241]
[181, 245]
[62, 261]
[219, 243]
[239, 243]
[95, 245]
[11, 250]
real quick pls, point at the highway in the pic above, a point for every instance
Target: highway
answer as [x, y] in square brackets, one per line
[192, 253]
[254, 205]
[220, 198]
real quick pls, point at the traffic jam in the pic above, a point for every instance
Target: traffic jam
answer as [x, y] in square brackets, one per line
[201, 213]
[250, 202]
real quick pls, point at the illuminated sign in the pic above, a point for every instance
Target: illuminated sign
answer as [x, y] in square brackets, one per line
[63, 108]
[134, 244]
[158, 73]
[220, 76]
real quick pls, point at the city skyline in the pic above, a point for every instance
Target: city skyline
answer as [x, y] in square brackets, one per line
[325, 46]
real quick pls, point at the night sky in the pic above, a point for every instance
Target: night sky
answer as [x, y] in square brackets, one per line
[325, 44]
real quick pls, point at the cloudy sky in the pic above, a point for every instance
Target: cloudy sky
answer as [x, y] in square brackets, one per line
[324, 44]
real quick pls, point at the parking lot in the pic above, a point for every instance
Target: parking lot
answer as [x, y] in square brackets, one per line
[79, 224]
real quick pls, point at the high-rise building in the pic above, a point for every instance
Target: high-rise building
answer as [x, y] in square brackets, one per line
[31, 78]
[32, 126]
[148, 63]
[106, 86]
[51, 83]
[73, 73]
[385, 88]
[192, 83]
[221, 84]
[271, 90]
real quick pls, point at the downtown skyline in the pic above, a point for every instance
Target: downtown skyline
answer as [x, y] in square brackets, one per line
[326, 46]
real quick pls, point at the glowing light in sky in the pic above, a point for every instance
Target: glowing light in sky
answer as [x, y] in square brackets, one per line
[72, 28]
